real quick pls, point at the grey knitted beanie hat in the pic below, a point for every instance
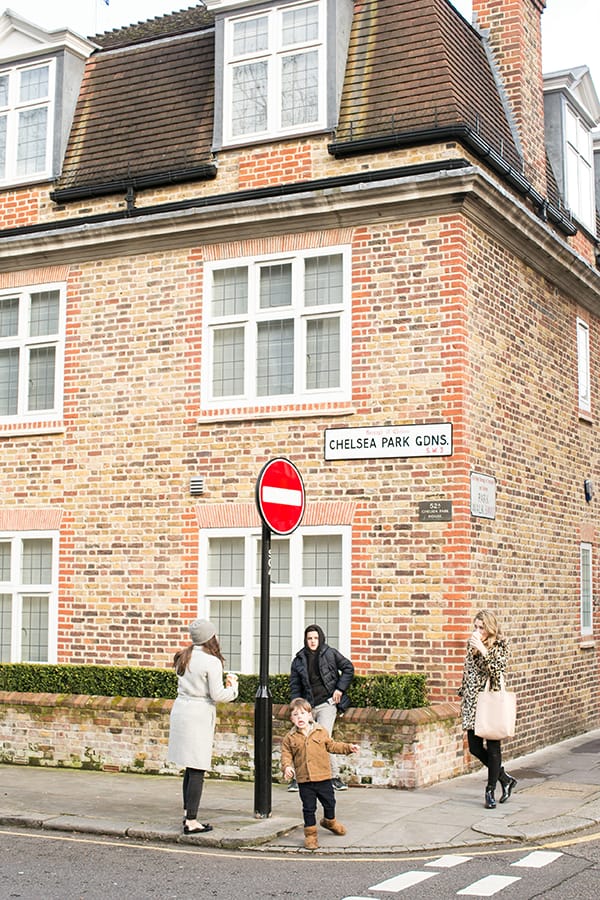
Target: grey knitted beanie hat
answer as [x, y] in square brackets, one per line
[201, 631]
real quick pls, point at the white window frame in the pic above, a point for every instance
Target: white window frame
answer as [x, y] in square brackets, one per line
[579, 168]
[298, 312]
[586, 590]
[249, 594]
[273, 56]
[17, 589]
[12, 112]
[583, 366]
[24, 343]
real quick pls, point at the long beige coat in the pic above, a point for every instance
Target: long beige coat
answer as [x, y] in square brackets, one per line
[193, 716]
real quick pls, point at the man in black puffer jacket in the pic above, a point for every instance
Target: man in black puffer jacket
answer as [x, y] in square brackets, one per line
[322, 675]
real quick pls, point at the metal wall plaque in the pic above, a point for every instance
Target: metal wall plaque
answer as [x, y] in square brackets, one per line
[435, 511]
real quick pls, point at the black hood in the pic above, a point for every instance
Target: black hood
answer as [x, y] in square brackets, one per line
[319, 631]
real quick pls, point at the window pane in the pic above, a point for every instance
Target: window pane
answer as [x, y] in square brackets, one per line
[31, 144]
[280, 633]
[275, 358]
[34, 84]
[226, 615]
[586, 589]
[42, 365]
[323, 282]
[9, 377]
[280, 561]
[228, 363]
[5, 561]
[5, 626]
[275, 286]
[250, 36]
[323, 353]
[34, 630]
[43, 314]
[36, 566]
[226, 562]
[9, 316]
[230, 292]
[2, 146]
[300, 25]
[3, 90]
[300, 96]
[249, 100]
[325, 613]
[322, 561]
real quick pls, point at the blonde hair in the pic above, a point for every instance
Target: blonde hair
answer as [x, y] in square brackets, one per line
[300, 703]
[490, 623]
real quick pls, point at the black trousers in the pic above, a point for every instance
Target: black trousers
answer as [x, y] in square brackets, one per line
[193, 782]
[490, 756]
[310, 792]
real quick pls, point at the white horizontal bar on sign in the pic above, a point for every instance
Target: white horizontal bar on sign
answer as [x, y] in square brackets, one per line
[283, 496]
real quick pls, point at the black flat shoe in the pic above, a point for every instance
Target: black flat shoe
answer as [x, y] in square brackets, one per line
[507, 788]
[202, 830]
[490, 802]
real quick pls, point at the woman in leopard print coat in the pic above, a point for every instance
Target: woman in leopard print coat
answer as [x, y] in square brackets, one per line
[487, 656]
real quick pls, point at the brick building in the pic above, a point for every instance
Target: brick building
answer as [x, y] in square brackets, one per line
[328, 230]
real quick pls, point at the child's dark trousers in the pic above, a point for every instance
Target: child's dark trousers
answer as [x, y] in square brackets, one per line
[310, 792]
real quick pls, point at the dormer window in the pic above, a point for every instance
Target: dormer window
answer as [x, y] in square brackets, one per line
[26, 119]
[571, 111]
[275, 74]
[279, 68]
[580, 169]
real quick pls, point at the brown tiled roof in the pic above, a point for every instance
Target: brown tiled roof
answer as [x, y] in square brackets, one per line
[143, 110]
[146, 106]
[415, 65]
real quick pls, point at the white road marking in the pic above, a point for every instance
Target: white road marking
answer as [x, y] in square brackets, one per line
[488, 886]
[448, 861]
[283, 496]
[537, 859]
[401, 882]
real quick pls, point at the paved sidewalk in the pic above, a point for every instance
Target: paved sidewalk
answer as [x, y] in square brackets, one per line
[558, 792]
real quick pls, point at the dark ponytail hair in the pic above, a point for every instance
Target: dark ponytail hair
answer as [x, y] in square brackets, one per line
[182, 658]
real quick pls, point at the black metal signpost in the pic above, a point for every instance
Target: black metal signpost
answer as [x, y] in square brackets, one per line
[280, 500]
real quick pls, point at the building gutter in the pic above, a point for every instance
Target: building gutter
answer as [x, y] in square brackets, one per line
[132, 184]
[471, 139]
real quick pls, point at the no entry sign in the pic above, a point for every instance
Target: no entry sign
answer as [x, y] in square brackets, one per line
[280, 496]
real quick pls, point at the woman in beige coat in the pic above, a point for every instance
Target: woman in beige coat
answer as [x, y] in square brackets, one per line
[199, 670]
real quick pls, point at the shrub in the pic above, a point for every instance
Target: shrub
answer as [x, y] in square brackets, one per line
[405, 691]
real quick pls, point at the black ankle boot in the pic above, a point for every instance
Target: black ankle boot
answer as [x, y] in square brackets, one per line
[490, 802]
[508, 783]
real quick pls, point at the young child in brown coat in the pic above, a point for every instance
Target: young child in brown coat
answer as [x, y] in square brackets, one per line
[305, 756]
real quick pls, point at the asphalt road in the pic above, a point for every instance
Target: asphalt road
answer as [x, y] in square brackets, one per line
[59, 866]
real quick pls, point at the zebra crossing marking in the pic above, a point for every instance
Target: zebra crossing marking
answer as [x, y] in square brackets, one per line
[448, 861]
[403, 881]
[488, 886]
[537, 859]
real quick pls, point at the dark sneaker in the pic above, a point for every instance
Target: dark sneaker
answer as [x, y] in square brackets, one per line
[338, 784]
[293, 786]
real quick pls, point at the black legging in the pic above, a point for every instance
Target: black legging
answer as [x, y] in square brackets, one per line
[193, 782]
[490, 756]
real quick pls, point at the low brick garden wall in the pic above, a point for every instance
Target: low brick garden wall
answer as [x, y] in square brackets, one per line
[399, 748]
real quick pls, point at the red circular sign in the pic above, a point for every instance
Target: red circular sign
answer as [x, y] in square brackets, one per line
[280, 496]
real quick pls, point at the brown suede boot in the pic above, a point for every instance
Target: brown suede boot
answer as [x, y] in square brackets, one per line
[310, 838]
[333, 825]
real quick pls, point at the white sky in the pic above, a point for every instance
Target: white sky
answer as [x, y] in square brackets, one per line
[570, 28]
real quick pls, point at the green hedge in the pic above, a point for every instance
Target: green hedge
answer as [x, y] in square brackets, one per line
[407, 691]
